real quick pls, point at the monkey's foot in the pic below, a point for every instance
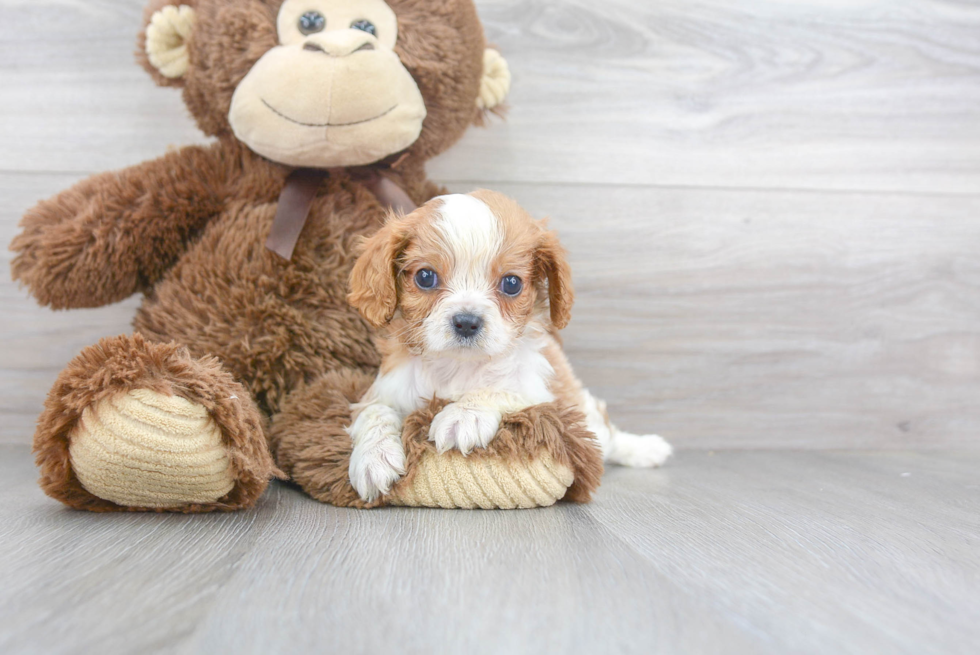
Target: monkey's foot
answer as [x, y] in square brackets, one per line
[135, 425]
[143, 449]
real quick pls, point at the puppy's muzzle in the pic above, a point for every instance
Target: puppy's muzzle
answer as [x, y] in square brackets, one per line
[467, 326]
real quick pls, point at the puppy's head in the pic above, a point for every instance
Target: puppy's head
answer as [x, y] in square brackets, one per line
[463, 275]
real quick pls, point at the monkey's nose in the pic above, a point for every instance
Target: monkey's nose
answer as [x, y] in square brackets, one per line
[339, 44]
[467, 326]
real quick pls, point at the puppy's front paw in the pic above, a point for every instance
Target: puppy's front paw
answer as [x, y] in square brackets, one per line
[375, 467]
[378, 458]
[639, 451]
[464, 428]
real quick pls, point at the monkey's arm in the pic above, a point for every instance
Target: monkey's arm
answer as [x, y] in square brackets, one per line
[117, 233]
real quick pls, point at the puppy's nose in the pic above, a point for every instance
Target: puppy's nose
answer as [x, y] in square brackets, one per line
[467, 325]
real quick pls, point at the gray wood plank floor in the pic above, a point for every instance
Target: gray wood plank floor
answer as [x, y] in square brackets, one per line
[773, 212]
[721, 552]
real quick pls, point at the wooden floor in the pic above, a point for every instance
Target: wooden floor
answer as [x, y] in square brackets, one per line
[773, 211]
[722, 552]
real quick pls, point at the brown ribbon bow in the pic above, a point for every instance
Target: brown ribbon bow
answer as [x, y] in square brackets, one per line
[299, 192]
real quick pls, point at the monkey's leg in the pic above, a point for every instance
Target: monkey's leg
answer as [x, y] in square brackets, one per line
[132, 425]
[311, 444]
[309, 438]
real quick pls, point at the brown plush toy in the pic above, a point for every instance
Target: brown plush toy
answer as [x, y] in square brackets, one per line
[246, 356]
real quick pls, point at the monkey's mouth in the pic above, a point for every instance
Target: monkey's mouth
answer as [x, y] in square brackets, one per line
[292, 120]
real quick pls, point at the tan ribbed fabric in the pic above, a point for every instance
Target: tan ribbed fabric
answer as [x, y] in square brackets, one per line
[144, 449]
[495, 83]
[453, 481]
[166, 40]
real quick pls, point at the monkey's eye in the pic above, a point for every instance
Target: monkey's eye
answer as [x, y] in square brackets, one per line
[364, 26]
[511, 285]
[426, 279]
[312, 22]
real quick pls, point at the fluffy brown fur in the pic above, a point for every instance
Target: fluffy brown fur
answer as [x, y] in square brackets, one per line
[223, 316]
[440, 42]
[119, 364]
[553, 428]
[312, 447]
[310, 443]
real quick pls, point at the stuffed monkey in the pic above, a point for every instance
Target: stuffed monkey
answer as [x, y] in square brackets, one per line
[246, 356]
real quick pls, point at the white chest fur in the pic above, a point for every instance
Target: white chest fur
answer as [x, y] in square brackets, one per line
[524, 371]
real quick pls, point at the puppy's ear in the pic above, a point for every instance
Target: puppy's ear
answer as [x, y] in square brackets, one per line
[373, 288]
[550, 263]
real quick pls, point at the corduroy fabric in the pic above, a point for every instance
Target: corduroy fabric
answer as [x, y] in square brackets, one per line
[540, 455]
[453, 481]
[113, 368]
[147, 449]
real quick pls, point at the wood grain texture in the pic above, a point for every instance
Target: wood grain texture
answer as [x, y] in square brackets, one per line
[828, 94]
[692, 155]
[723, 318]
[874, 94]
[718, 318]
[750, 552]
[772, 212]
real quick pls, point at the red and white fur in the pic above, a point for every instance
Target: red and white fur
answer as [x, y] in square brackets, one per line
[468, 338]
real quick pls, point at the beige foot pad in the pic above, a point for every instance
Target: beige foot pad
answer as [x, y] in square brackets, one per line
[145, 449]
[453, 481]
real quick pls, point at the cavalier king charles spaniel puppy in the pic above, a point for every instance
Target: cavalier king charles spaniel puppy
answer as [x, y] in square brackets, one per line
[471, 292]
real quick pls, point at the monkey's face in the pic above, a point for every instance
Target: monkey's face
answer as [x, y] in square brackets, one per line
[325, 83]
[333, 92]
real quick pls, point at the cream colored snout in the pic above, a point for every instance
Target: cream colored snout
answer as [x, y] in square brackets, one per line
[338, 98]
[340, 43]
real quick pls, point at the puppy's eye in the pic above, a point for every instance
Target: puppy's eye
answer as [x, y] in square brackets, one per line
[364, 26]
[312, 22]
[426, 279]
[511, 285]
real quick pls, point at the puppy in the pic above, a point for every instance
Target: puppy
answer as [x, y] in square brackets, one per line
[471, 292]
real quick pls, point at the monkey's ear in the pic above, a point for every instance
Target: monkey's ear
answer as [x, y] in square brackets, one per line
[373, 287]
[163, 43]
[495, 83]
